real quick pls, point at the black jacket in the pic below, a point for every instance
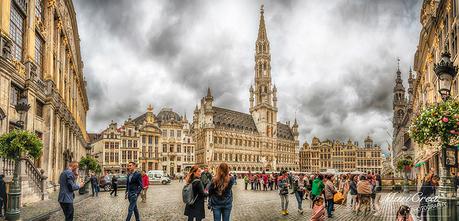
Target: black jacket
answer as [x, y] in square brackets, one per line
[197, 209]
[2, 189]
[427, 190]
[222, 201]
[134, 185]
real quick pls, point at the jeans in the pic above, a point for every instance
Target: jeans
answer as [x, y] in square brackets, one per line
[284, 201]
[67, 208]
[95, 189]
[246, 184]
[299, 199]
[133, 208]
[222, 214]
[330, 205]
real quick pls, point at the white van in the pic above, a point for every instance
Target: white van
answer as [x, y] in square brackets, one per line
[158, 177]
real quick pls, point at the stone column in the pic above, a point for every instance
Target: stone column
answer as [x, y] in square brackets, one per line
[48, 142]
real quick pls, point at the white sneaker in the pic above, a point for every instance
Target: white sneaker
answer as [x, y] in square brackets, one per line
[377, 214]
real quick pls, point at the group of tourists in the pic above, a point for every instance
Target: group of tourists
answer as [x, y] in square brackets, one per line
[323, 191]
[136, 185]
[201, 185]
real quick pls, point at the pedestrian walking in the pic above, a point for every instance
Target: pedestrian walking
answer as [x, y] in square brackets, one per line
[221, 194]
[426, 195]
[318, 209]
[283, 192]
[195, 211]
[298, 190]
[206, 178]
[364, 190]
[377, 192]
[94, 185]
[317, 187]
[246, 182]
[353, 192]
[114, 185]
[2, 196]
[330, 191]
[67, 187]
[145, 184]
[134, 186]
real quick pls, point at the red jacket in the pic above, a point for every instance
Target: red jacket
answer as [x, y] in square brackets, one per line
[145, 181]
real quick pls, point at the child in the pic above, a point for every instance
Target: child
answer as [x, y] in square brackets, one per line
[318, 211]
[403, 214]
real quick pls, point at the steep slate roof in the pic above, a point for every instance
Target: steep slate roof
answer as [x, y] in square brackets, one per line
[233, 119]
[140, 119]
[241, 121]
[284, 131]
[93, 137]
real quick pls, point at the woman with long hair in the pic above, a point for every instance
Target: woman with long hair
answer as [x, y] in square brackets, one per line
[220, 193]
[196, 210]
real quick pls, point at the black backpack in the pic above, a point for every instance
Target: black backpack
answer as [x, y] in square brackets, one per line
[188, 195]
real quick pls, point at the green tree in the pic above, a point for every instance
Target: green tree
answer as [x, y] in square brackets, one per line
[88, 163]
[20, 143]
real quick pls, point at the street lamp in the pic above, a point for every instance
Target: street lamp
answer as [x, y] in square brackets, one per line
[13, 211]
[446, 72]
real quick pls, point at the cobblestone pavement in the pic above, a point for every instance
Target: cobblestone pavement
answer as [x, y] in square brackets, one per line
[164, 203]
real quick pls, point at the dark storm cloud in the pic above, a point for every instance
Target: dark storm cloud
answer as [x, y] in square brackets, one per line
[333, 62]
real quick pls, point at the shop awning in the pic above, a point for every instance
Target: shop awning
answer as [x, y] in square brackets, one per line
[425, 158]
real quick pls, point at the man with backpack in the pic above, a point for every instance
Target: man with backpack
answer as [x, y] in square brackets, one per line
[206, 178]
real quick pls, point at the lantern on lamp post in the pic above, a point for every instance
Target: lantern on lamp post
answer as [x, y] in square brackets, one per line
[446, 72]
[13, 210]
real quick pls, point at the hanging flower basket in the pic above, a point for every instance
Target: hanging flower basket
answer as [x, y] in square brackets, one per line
[404, 165]
[438, 122]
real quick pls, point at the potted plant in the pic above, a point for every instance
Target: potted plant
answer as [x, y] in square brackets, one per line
[88, 164]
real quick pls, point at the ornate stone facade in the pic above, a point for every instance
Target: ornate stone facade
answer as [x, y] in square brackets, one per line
[161, 142]
[343, 157]
[40, 59]
[255, 141]
[439, 33]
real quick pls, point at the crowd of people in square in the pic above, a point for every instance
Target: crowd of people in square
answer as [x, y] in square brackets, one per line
[361, 191]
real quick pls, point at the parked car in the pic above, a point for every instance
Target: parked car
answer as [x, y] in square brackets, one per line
[107, 186]
[158, 177]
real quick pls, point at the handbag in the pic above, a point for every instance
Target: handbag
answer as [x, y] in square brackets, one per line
[338, 198]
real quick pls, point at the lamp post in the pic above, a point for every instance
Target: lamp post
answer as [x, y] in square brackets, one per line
[446, 71]
[13, 211]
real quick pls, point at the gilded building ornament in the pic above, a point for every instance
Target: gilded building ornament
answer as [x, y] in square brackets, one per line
[20, 68]
[59, 24]
[51, 3]
[65, 41]
[448, 6]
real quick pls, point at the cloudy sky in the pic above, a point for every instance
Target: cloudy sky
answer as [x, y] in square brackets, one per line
[333, 62]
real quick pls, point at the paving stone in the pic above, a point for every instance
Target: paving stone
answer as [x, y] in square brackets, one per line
[164, 203]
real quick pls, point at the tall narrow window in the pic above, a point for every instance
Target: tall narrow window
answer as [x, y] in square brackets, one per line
[39, 109]
[39, 55]
[16, 31]
[39, 10]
